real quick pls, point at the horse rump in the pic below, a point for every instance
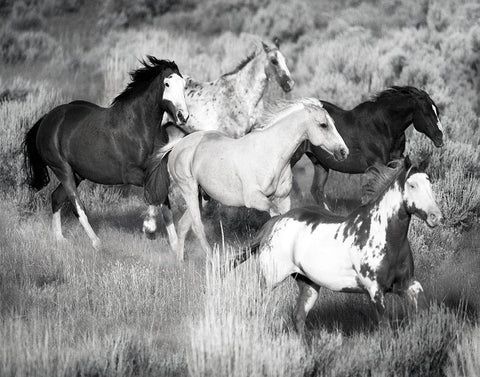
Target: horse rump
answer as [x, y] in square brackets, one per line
[36, 168]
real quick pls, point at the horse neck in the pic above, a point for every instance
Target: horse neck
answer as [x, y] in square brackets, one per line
[399, 119]
[288, 132]
[251, 82]
[140, 113]
[389, 216]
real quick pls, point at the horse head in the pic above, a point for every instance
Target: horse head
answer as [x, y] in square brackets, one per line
[426, 118]
[174, 97]
[418, 194]
[321, 130]
[276, 66]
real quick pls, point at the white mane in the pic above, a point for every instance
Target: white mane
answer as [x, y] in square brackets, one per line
[284, 108]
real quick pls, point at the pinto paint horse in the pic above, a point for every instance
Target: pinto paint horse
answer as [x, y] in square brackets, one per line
[253, 171]
[367, 251]
[374, 131]
[111, 146]
[233, 103]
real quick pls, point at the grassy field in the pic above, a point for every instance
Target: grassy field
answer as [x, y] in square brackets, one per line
[132, 309]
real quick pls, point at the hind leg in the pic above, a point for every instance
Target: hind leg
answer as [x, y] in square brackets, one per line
[59, 196]
[184, 225]
[168, 219]
[149, 222]
[308, 294]
[415, 296]
[67, 178]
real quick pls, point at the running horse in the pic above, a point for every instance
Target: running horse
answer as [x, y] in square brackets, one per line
[233, 103]
[253, 171]
[110, 146]
[374, 131]
[366, 251]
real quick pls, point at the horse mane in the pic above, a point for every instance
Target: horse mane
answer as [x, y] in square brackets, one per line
[394, 92]
[380, 178]
[142, 77]
[280, 108]
[241, 65]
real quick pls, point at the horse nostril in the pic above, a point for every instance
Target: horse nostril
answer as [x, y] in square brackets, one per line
[180, 116]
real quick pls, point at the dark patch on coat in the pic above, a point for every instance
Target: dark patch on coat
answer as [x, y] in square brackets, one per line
[367, 271]
[360, 229]
[314, 216]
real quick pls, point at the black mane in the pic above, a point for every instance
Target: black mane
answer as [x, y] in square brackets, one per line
[380, 178]
[142, 77]
[401, 91]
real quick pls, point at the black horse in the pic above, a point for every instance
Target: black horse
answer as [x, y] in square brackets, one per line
[374, 132]
[111, 146]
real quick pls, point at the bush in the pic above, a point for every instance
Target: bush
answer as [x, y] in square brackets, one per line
[18, 47]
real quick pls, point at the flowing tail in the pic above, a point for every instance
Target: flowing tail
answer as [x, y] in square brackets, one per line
[37, 172]
[254, 245]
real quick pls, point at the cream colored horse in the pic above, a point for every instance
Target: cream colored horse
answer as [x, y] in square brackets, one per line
[252, 171]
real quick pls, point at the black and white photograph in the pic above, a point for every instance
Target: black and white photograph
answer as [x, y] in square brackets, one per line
[239, 188]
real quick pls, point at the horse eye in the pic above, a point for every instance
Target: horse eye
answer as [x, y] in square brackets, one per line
[274, 61]
[324, 125]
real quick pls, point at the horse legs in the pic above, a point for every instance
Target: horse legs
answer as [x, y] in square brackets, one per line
[149, 222]
[69, 184]
[308, 294]
[59, 197]
[320, 176]
[184, 225]
[415, 295]
[168, 219]
[377, 297]
[190, 195]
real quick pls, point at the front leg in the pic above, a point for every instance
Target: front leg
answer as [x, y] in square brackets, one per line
[320, 176]
[377, 297]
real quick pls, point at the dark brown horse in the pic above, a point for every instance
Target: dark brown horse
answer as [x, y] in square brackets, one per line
[110, 146]
[374, 132]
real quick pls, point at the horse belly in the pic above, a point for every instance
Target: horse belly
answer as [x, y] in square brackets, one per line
[327, 261]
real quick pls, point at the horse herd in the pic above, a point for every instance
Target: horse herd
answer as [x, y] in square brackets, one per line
[241, 154]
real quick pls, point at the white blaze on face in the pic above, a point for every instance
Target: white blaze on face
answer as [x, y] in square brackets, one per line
[439, 124]
[418, 194]
[175, 93]
[282, 64]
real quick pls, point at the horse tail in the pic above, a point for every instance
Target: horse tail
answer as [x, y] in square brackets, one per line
[254, 245]
[157, 180]
[36, 168]
[166, 149]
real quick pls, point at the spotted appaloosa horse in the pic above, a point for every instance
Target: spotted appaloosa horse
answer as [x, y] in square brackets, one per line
[374, 131]
[111, 146]
[252, 171]
[367, 251]
[232, 103]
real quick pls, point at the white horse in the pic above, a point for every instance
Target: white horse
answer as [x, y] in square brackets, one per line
[252, 171]
[367, 251]
[231, 104]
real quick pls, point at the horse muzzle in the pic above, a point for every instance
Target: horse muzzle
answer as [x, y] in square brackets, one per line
[341, 153]
[182, 117]
[434, 219]
[287, 84]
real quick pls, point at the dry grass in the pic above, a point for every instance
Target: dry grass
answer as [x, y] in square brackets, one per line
[131, 309]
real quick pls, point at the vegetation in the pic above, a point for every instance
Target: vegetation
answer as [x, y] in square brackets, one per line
[131, 309]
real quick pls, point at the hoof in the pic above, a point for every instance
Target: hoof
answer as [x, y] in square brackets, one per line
[97, 244]
[150, 235]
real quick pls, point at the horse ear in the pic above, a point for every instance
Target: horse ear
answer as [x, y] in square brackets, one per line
[422, 166]
[265, 47]
[276, 42]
